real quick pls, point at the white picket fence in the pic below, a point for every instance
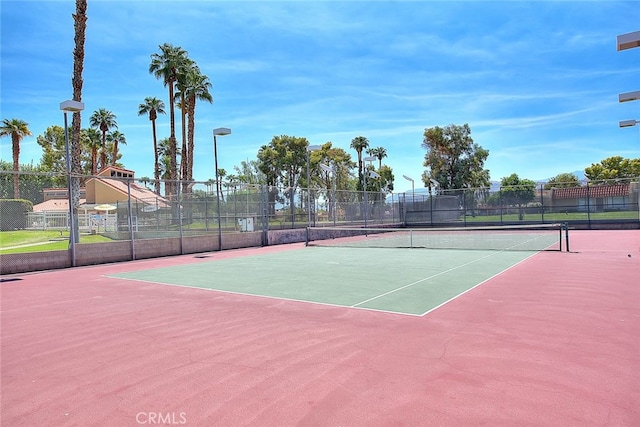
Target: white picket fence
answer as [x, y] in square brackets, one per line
[87, 222]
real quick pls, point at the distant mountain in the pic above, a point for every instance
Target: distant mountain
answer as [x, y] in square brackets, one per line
[580, 174]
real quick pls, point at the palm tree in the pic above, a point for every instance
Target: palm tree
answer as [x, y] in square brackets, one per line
[164, 159]
[18, 129]
[153, 107]
[116, 138]
[197, 88]
[221, 174]
[378, 152]
[166, 66]
[80, 26]
[182, 103]
[359, 143]
[91, 140]
[145, 180]
[104, 120]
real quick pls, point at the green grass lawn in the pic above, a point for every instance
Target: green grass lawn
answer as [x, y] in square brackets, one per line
[23, 241]
[557, 216]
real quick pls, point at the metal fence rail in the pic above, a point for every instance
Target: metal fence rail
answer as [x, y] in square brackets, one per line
[127, 209]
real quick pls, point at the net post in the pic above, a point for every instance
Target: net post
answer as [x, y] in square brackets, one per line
[306, 242]
[565, 226]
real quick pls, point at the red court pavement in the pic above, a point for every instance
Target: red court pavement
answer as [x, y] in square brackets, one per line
[553, 341]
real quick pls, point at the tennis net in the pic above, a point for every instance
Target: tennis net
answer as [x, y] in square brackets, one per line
[537, 237]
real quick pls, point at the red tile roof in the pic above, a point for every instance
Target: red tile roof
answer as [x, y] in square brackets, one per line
[54, 205]
[138, 193]
[592, 191]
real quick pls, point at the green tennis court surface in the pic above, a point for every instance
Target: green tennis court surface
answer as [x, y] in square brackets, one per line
[407, 281]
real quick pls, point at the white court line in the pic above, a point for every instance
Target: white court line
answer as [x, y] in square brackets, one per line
[445, 272]
[475, 286]
[421, 280]
[328, 304]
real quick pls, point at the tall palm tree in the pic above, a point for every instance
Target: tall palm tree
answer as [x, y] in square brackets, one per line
[104, 120]
[197, 88]
[91, 140]
[182, 103]
[221, 174]
[164, 158]
[80, 26]
[166, 66]
[378, 152]
[153, 106]
[116, 138]
[17, 129]
[359, 143]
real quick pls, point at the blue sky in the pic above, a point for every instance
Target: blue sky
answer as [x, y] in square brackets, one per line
[536, 81]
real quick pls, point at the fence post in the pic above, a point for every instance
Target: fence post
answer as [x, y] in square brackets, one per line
[500, 204]
[179, 204]
[130, 220]
[542, 201]
[588, 207]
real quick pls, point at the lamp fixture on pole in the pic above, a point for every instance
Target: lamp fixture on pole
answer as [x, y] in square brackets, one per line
[218, 132]
[628, 41]
[413, 191]
[628, 123]
[310, 148]
[72, 107]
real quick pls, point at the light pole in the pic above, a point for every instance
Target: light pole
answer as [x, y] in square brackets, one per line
[413, 191]
[364, 182]
[333, 206]
[216, 132]
[310, 148]
[73, 107]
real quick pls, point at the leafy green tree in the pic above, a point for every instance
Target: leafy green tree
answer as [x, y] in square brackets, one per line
[53, 157]
[379, 185]
[282, 162]
[563, 180]
[16, 129]
[104, 120]
[249, 172]
[453, 159]
[339, 161]
[517, 192]
[613, 168]
[153, 106]
[53, 153]
[33, 178]
[167, 66]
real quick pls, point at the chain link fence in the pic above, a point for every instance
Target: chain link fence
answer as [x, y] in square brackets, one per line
[201, 217]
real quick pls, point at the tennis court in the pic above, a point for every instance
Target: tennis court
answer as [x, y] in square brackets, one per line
[342, 268]
[318, 336]
[394, 280]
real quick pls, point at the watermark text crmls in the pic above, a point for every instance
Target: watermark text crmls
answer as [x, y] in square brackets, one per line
[161, 418]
